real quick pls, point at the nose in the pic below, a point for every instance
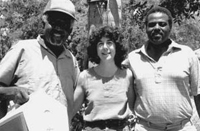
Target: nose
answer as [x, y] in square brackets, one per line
[157, 26]
[105, 45]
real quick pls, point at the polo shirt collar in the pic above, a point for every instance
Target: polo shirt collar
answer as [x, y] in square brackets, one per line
[42, 43]
[172, 47]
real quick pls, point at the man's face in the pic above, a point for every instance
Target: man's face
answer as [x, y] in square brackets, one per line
[57, 28]
[158, 28]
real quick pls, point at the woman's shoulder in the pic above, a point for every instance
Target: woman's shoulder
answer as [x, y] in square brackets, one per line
[87, 72]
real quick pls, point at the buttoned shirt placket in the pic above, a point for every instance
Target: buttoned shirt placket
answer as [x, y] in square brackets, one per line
[157, 66]
[56, 92]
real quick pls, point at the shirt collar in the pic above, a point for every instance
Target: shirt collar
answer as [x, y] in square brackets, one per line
[172, 47]
[42, 43]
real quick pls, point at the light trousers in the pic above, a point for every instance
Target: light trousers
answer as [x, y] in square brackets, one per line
[186, 127]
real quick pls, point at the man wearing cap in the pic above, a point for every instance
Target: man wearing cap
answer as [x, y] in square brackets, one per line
[42, 63]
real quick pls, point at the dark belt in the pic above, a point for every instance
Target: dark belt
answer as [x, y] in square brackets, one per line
[107, 123]
[177, 125]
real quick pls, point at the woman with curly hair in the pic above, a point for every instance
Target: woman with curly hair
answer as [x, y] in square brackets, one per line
[107, 88]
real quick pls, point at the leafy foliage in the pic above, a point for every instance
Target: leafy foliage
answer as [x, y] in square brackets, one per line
[78, 44]
[181, 9]
[21, 20]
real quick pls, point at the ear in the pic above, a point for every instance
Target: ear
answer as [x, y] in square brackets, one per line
[44, 18]
[92, 29]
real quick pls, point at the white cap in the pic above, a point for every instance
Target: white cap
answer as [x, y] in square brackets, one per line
[65, 6]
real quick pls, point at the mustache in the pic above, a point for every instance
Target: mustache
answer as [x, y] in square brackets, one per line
[58, 31]
[157, 31]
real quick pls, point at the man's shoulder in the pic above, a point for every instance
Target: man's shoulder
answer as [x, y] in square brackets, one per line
[134, 52]
[27, 41]
[133, 57]
[186, 51]
[24, 43]
[181, 46]
[197, 51]
[69, 54]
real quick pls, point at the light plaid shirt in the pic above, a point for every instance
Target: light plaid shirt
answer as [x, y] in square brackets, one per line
[164, 88]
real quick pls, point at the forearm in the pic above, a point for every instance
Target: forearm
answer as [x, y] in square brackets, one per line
[70, 110]
[19, 95]
[197, 103]
[7, 93]
[78, 101]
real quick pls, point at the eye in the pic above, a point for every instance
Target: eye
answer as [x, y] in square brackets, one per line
[162, 24]
[100, 44]
[109, 43]
[152, 24]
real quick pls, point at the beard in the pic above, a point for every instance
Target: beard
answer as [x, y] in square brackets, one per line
[57, 38]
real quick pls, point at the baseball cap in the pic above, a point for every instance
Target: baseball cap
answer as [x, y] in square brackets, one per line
[64, 6]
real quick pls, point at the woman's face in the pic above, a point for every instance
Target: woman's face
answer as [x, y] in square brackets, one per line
[106, 49]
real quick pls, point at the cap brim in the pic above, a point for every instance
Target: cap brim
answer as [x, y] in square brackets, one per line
[62, 12]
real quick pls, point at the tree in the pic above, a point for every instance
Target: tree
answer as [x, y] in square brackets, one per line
[180, 9]
[21, 20]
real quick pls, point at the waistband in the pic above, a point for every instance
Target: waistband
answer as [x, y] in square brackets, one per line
[107, 123]
[177, 125]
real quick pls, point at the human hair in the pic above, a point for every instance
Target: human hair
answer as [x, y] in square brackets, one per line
[115, 35]
[161, 10]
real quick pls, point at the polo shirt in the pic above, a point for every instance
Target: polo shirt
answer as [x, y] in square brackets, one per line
[164, 87]
[30, 64]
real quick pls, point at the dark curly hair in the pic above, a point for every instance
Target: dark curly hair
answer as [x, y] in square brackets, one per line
[115, 35]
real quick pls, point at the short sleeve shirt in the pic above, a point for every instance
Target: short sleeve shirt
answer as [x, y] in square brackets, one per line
[164, 87]
[30, 64]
